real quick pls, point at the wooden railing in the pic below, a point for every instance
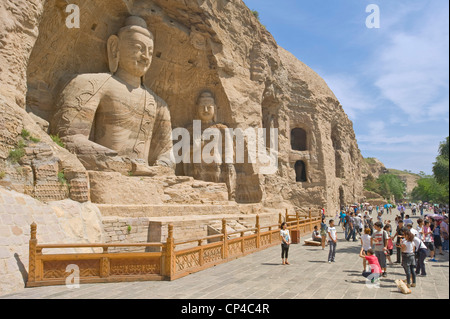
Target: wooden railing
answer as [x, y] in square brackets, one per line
[167, 263]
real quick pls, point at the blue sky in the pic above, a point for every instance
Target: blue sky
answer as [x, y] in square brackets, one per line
[393, 82]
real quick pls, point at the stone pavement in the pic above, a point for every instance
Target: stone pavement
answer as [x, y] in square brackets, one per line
[261, 275]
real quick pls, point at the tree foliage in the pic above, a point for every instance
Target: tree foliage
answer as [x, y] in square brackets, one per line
[429, 190]
[386, 185]
[441, 166]
[435, 189]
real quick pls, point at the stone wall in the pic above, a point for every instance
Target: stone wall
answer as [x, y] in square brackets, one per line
[145, 230]
[57, 222]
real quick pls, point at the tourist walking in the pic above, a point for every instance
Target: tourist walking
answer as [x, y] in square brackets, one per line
[358, 224]
[400, 235]
[390, 245]
[407, 220]
[285, 243]
[408, 255]
[419, 228]
[437, 237]
[421, 255]
[365, 244]
[332, 241]
[428, 239]
[380, 219]
[379, 243]
[323, 232]
[444, 234]
[352, 228]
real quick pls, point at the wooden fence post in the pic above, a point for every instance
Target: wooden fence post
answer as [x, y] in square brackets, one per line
[32, 254]
[201, 261]
[225, 239]
[280, 220]
[169, 256]
[286, 216]
[310, 220]
[258, 232]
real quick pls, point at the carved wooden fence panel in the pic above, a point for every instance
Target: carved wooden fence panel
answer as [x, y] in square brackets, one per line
[167, 263]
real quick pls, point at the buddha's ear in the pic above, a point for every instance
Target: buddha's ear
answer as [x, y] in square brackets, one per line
[113, 53]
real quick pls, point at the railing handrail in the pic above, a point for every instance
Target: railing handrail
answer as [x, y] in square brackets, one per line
[55, 246]
[242, 231]
[168, 256]
[198, 239]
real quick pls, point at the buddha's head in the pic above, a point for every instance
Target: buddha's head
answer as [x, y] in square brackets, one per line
[131, 50]
[206, 107]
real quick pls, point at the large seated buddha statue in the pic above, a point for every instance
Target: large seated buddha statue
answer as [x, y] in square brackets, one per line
[111, 120]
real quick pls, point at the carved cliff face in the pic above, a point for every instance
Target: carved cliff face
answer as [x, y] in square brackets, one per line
[214, 45]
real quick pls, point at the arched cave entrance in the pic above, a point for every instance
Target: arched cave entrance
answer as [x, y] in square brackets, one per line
[300, 171]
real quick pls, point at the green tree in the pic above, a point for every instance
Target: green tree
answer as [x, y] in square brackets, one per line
[441, 166]
[370, 184]
[386, 185]
[429, 190]
[389, 185]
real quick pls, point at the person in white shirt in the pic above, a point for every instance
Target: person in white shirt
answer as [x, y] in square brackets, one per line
[358, 224]
[419, 228]
[332, 240]
[365, 243]
[412, 230]
[285, 243]
[408, 248]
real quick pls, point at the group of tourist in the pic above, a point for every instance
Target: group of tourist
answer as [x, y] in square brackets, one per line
[380, 238]
[412, 244]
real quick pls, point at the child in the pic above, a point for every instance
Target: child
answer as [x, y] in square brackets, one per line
[365, 243]
[332, 240]
[370, 257]
[285, 242]
[390, 245]
[379, 244]
[316, 235]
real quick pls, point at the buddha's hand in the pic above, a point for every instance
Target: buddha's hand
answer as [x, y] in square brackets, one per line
[80, 145]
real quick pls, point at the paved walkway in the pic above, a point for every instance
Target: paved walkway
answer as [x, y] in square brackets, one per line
[262, 276]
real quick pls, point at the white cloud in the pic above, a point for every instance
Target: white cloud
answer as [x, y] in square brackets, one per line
[350, 94]
[412, 66]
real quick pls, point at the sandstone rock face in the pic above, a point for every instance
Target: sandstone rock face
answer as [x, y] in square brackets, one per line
[374, 167]
[114, 188]
[217, 46]
[58, 222]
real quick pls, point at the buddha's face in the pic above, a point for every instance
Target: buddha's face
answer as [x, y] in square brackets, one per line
[206, 108]
[135, 53]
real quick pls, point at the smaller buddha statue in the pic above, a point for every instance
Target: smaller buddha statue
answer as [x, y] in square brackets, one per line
[216, 169]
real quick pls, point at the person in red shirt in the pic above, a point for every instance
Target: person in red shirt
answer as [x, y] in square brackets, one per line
[374, 264]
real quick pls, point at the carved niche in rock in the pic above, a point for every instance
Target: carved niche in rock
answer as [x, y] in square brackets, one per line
[113, 122]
